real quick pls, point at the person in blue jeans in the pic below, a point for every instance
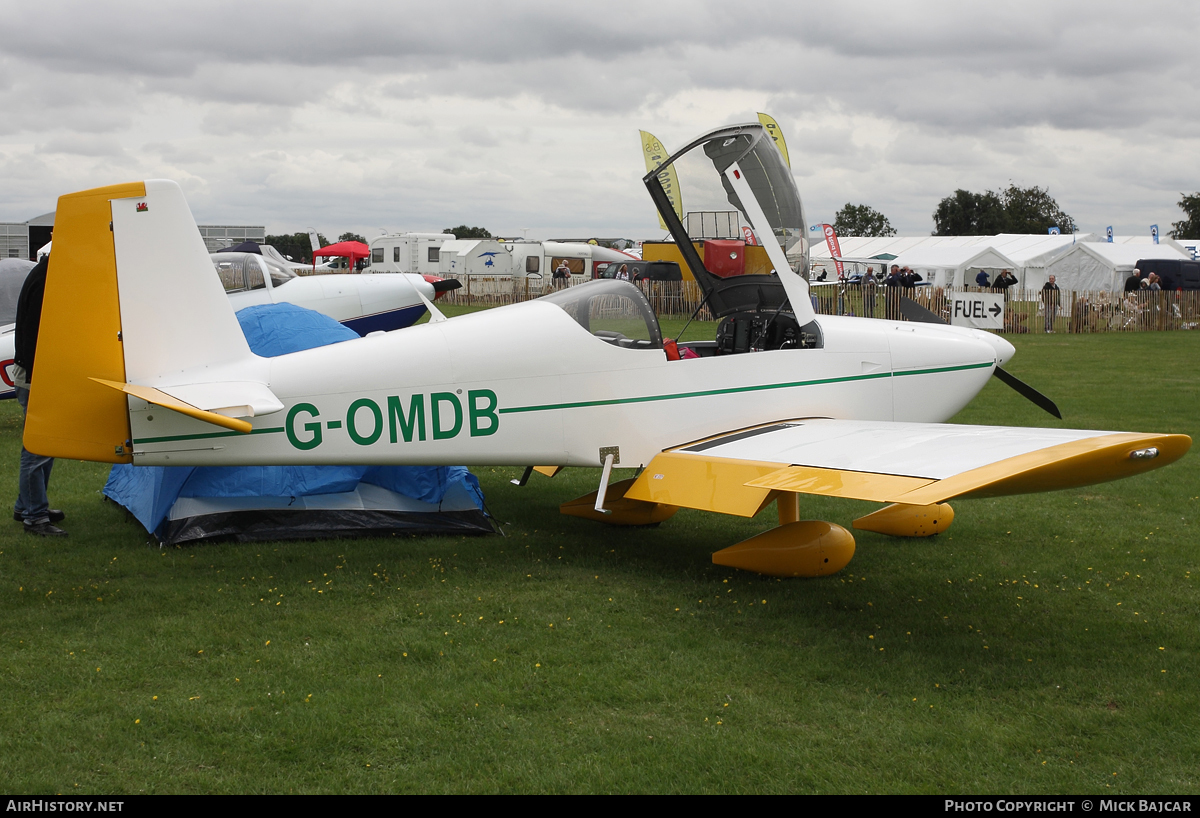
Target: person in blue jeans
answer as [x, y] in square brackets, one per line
[33, 502]
[1050, 294]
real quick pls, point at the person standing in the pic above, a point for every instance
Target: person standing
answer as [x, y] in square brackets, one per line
[1050, 302]
[868, 292]
[1134, 282]
[1005, 280]
[562, 275]
[909, 278]
[981, 280]
[33, 503]
[891, 294]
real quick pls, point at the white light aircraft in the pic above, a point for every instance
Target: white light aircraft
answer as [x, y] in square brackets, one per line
[363, 304]
[783, 403]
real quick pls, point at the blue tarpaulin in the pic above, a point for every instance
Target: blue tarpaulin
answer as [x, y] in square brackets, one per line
[149, 492]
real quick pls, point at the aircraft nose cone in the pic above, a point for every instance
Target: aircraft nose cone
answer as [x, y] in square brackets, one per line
[1004, 350]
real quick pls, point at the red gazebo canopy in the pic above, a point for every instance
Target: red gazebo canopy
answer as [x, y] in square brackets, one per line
[352, 250]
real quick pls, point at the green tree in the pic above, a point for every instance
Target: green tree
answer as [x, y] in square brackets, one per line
[464, 232]
[295, 246]
[862, 220]
[969, 214]
[1012, 210]
[1189, 228]
[351, 237]
[1033, 210]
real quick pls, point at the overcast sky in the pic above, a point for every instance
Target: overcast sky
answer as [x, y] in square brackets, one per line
[368, 116]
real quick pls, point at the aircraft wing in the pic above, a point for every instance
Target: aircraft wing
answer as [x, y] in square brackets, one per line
[911, 463]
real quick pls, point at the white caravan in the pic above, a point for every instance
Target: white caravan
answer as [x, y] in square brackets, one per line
[408, 253]
[486, 257]
[523, 259]
[541, 258]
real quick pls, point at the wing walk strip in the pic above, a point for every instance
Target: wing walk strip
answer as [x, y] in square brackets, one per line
[744, 487]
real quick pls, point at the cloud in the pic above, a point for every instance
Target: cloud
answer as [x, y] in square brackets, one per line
[178, 154]
[526, 113]
[249, 120]
[84, 145]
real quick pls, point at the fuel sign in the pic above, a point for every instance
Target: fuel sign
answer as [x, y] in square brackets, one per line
[978, 310]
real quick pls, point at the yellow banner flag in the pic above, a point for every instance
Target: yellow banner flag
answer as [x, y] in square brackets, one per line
[655, 154]
[777, 135]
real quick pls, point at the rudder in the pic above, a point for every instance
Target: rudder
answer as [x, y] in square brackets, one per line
[80, 337]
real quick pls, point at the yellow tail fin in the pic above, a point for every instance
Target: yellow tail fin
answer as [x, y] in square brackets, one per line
[71, 415]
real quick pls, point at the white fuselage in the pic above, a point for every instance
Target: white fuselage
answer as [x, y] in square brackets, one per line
[526, 385]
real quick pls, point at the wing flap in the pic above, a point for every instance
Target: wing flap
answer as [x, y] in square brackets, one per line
[709, 484]
[854, 485]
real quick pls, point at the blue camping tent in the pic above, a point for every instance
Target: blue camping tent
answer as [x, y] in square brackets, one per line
[181, 504]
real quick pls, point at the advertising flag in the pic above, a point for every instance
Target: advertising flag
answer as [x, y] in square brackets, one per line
[777, 135]
[1154, 232]
[1054, 231]
[835, 249]
[1108, 233]
[655, 154]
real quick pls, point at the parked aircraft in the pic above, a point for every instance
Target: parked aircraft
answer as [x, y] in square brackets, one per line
[783, 403]
[363, 303]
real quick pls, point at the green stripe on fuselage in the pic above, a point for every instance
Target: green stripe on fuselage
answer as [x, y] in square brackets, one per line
[736, 389]
[208, 436]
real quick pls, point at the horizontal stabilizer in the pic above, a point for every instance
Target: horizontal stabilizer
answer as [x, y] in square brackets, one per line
[160, 398]
[238, 399]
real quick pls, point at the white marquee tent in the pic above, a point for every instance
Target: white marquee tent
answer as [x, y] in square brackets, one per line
[1099, 265]
[953, 266]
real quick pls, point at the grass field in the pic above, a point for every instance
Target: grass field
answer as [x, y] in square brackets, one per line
[1043, 644]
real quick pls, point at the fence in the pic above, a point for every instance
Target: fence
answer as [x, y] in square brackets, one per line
[1076, 311]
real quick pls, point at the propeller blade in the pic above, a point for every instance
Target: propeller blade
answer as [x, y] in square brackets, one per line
[1028, 391]
[912, 311]
[445, 285]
